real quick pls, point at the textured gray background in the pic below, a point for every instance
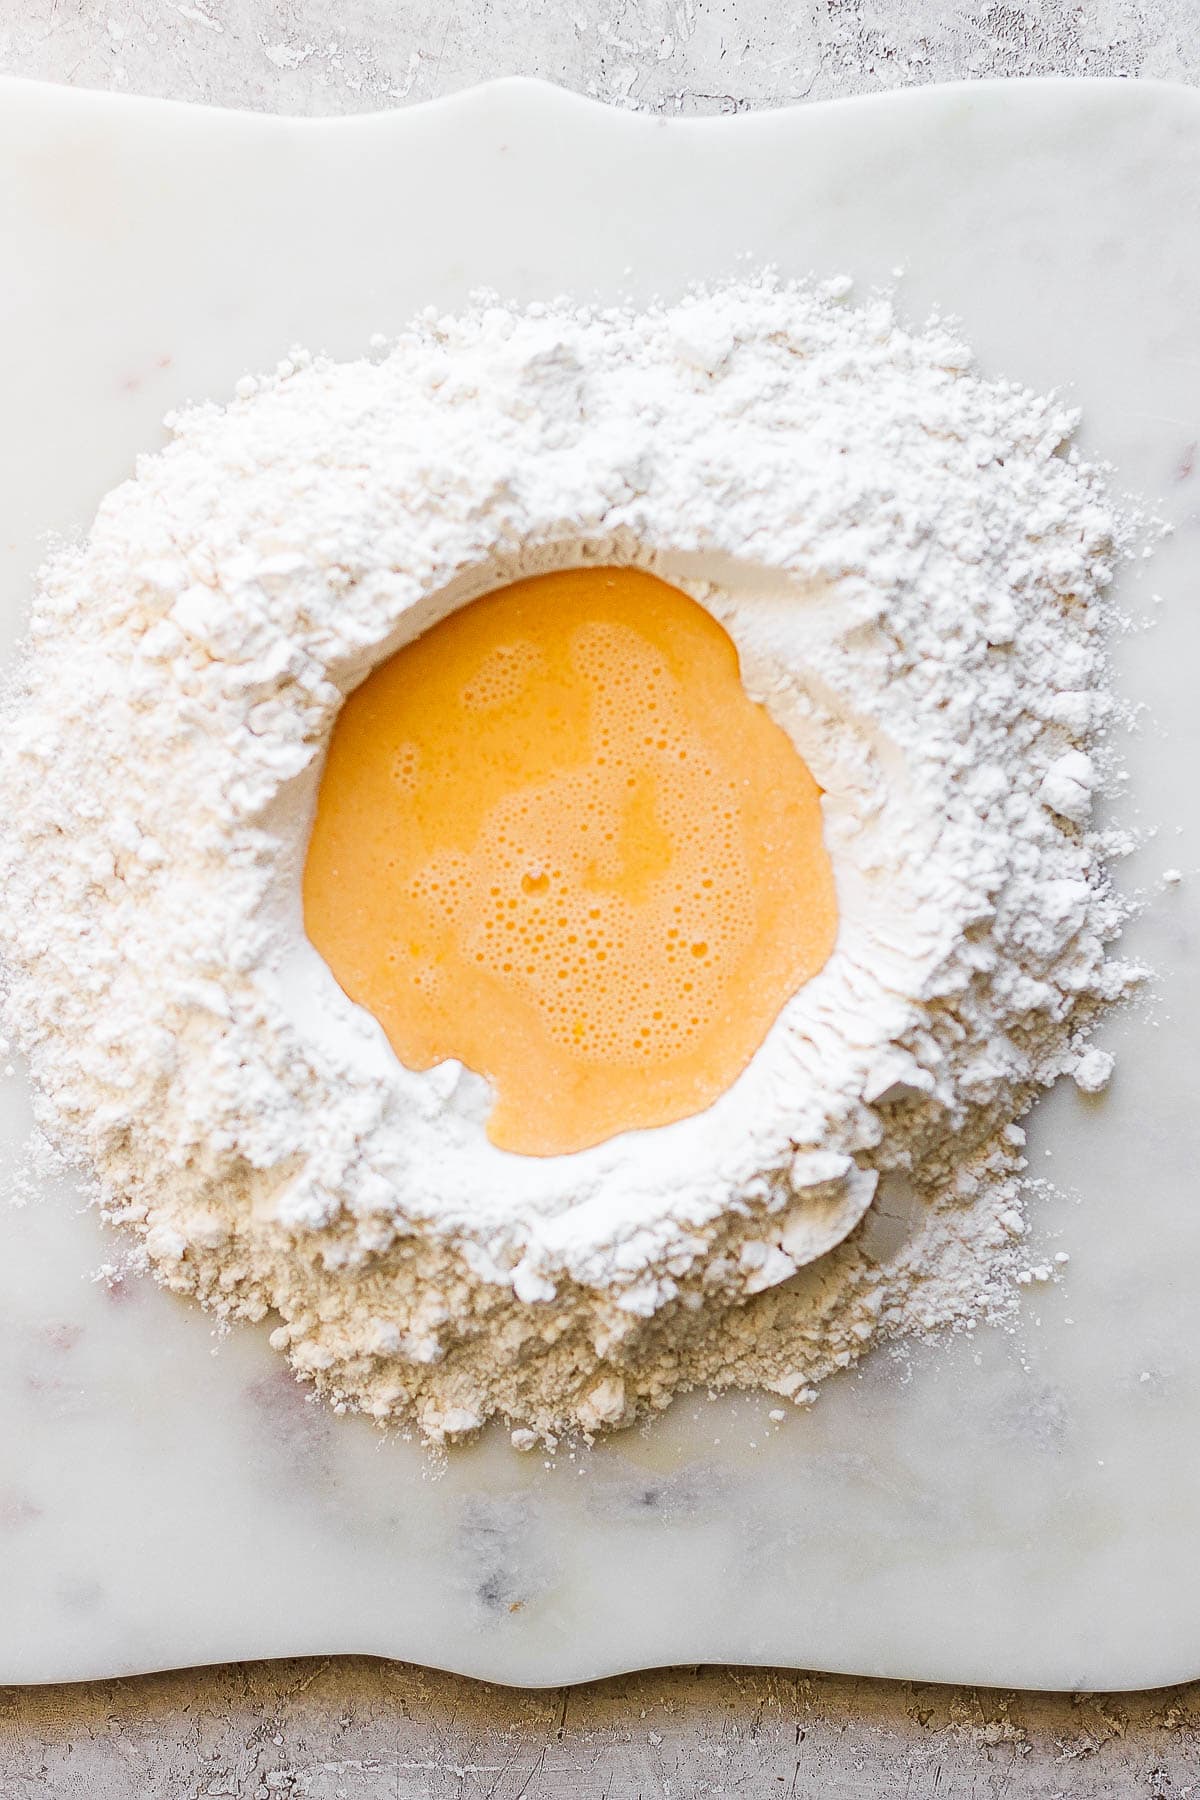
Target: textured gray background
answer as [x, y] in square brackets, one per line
[346, 1729]
[692, 56]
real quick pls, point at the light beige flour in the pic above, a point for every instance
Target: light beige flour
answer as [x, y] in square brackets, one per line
[910, 560]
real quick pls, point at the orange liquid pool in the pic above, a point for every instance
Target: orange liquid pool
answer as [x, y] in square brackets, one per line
[556, 840]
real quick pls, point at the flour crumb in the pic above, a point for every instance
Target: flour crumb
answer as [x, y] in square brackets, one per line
[1093, 1072]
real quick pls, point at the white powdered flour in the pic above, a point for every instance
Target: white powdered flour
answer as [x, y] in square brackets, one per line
[909, 559]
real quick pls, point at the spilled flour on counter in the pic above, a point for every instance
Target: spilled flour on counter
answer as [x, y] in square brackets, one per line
[910, 560]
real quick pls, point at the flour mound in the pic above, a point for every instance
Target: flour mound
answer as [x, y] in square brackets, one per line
[910, 560]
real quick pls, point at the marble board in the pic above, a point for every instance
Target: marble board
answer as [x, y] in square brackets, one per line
[1008, 1508]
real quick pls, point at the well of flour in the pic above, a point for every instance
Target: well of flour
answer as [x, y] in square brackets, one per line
[909, 560]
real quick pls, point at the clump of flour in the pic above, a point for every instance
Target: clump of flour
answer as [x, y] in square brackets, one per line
[910, 560]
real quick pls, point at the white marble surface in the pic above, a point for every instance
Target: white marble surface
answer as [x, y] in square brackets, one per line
[989, 1519]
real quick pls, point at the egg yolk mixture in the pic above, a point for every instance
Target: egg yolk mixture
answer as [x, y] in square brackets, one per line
[556, 840]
